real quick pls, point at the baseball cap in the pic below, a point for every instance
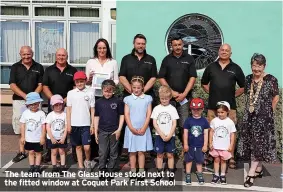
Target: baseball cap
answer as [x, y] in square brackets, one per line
[79, 75]
[197, 103]
[225, 103]
[33, 97]
[56, 99]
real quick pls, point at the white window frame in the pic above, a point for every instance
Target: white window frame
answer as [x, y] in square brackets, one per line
[69, 39]
[9, 64]
[16, 5]
[47, 21]
[111, 23]
[78, 6]
[47, 5]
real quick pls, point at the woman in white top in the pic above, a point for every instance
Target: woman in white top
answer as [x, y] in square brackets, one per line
[102, 62]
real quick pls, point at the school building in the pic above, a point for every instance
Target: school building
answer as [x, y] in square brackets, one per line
[248, 27]
[49, 25]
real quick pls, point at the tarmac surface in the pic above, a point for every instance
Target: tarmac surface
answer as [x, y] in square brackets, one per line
[271, 180]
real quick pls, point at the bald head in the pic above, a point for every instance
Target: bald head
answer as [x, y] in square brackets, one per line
[26, 54]
[61, 56]
[225, 52]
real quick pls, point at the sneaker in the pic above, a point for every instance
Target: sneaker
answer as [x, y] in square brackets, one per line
[20, 156]
[31, 170]
[87, 165]
[200, 178]
[215, 179]
[188, 179]
[223, 180]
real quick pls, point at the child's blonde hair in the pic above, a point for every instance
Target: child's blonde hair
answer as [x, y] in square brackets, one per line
[139, 79]
[165, 91]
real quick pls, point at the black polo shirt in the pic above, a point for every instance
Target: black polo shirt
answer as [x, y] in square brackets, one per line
[59, 82]
[26, 79]
[131, 66]
[222, 83]
[177, 71]
[109, 111]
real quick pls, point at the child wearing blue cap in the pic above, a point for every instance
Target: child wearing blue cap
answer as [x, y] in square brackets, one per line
[33, 130]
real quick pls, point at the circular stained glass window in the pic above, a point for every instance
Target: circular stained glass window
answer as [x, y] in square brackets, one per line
[202, 37]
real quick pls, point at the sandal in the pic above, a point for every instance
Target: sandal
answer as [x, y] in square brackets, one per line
[248, 182]
[232, 163]
[259, 174]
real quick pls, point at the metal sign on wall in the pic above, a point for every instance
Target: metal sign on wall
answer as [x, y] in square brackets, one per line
[201, 35]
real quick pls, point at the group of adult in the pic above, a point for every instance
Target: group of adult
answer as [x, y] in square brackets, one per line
[256, 133]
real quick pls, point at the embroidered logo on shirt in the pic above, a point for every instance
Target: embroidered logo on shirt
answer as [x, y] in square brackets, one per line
[69, 74]
[35, 71]
[86, 97]
[148, 62]
[231, 72]
[186, 62]
[113, 105]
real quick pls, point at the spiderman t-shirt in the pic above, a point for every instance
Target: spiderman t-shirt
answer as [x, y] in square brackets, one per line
[196, 130]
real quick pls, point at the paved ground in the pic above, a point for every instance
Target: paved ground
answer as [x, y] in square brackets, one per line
[9, 146]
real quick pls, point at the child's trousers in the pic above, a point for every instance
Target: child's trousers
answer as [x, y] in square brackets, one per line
[108, 147]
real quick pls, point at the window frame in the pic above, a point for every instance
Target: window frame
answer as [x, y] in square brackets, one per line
[69, 38]
[12, 4]
[47, 5]
[81, 6]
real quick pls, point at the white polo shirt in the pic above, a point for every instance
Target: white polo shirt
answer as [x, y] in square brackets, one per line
[81, 101]
[110, 67]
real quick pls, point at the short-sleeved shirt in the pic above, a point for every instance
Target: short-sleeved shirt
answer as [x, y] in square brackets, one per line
[33, 125]
[57, 122]
[81, 101]
[177, 71]
[109, 112]
[59, 82]
[222, 130]
[222, 83]
[164, 116]
[131, 66]
[26, 79]
[196, 129]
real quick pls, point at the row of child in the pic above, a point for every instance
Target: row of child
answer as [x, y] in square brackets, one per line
[106, 122]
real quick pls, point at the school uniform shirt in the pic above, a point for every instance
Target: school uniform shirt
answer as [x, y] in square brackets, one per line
[109, 111]
[33, 125]
[164, 116]
[196, 129]
[110, 67]
[57, 122]
[81, 101]
[222, 130]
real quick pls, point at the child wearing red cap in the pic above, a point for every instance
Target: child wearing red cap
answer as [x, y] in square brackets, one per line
[57, 132]
[195, 140]
[80, 118]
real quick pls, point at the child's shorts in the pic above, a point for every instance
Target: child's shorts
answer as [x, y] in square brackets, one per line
[225, 155]
[162, 146]
[36, 147]
[57, 145]
[194, 154]
[80, 136]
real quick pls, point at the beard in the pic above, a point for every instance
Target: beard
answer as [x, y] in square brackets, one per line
[139, 51]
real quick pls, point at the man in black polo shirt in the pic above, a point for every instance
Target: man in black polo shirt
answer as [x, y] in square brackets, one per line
[138, 63]
[219, 80]
[58, 79]
[178, 71]
[25, 77]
